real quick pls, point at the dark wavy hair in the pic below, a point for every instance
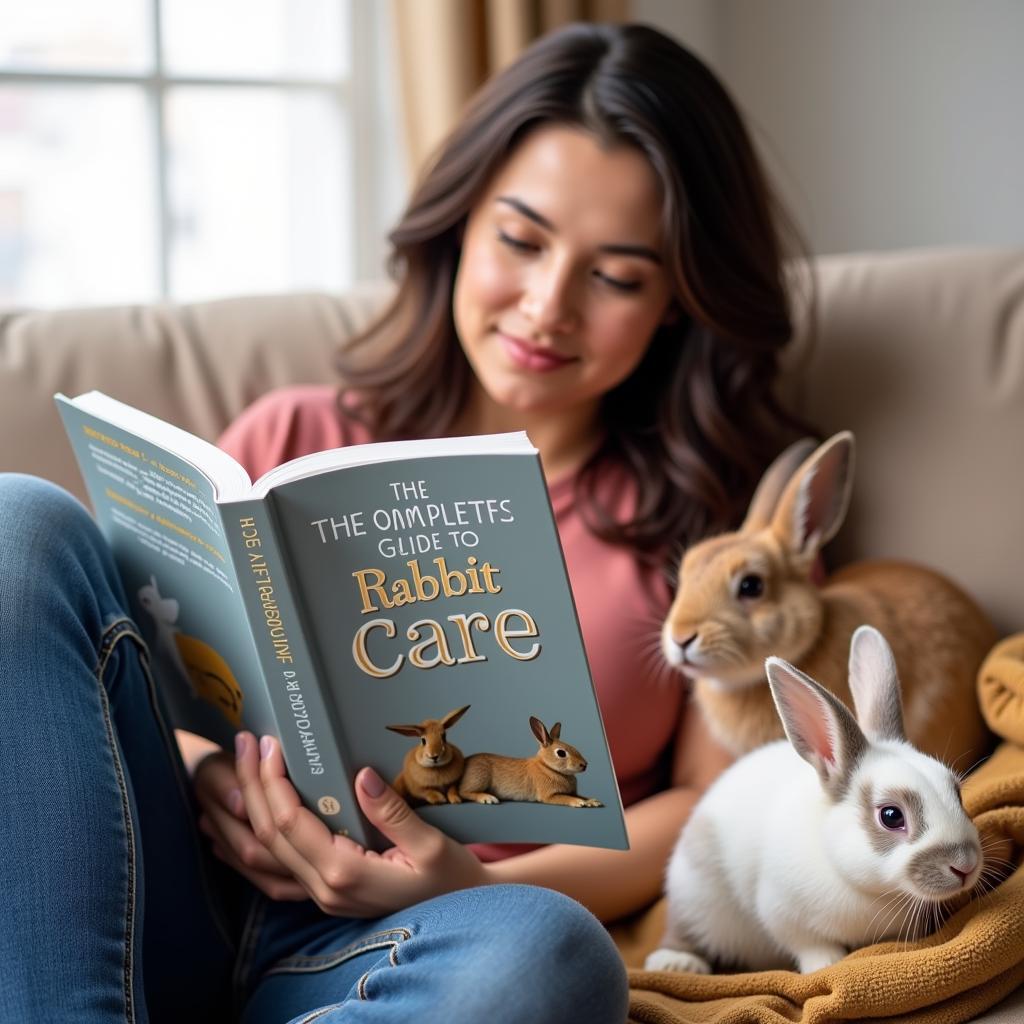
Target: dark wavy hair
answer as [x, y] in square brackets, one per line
[698, 420]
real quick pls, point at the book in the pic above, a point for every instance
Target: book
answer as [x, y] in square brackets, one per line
[346, 598]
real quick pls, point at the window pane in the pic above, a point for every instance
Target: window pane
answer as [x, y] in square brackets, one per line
[256, 38]
[76, 197]
[258, 188]
[72, 35]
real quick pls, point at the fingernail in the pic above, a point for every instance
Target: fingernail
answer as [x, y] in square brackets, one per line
[372, 783]
[235, 801]
[266, 746]
[240, 744]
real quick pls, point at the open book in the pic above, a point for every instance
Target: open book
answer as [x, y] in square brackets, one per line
[358, 589]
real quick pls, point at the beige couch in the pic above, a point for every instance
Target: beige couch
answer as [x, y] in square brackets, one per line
[921, 353]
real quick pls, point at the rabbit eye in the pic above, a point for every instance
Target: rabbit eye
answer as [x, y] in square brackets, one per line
[561, 753]
[892, 818]
[423, 740]
[750, 586]
[444, 736]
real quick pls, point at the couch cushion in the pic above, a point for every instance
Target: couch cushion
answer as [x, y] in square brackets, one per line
[921, 354]
[194, 365]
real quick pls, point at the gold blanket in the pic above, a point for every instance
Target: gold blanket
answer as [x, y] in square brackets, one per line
[973, 962]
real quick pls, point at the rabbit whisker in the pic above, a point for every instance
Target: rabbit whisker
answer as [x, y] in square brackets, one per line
[910, 920]
[961, 776]
[901, 905]
[988, 884]
[917, 920]
[653, 661]
[945, 753]
[882, 925]
[993, 875]
[983, 888]
[986, 852]
[649, 620]
[914, 909]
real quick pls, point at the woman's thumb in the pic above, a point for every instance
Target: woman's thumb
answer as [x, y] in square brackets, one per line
[391, 815]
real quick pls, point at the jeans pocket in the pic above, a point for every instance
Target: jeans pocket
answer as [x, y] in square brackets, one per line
[391, 938]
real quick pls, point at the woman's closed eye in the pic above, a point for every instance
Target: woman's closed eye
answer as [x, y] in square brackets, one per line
[617, 283]
[517, 244]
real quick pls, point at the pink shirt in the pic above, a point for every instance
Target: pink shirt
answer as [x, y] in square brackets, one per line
[620, 605]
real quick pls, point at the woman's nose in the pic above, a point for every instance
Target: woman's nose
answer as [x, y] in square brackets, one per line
[549, 301]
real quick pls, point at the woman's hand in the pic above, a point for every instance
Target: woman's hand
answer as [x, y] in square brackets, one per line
[224, 820]
[343, 878]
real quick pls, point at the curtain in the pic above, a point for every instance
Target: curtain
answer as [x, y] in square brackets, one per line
[446, 48]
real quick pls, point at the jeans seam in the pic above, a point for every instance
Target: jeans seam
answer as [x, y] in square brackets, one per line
[314, 964]
[117, 631]
[183, 789]
[247, 948]
[318, 1013]
[392, 959]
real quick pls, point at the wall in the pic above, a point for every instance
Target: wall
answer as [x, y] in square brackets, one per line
[886, 123]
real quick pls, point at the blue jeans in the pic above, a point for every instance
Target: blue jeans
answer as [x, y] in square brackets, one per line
[111, 908]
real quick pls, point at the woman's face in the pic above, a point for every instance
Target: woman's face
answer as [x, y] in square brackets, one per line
[560, 283]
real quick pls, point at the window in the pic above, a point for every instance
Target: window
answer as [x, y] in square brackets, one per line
[182, 149]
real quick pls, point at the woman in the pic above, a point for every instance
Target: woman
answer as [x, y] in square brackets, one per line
[592, 256]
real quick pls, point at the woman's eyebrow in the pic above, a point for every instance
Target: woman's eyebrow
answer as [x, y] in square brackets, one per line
[643, 251]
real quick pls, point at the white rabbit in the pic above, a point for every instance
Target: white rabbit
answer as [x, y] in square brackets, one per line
[781, 864]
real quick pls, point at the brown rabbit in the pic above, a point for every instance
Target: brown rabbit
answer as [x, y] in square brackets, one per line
[431, 770]
[748, 595]
[549, 777]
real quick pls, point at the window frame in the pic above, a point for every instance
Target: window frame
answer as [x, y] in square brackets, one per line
[355, 108]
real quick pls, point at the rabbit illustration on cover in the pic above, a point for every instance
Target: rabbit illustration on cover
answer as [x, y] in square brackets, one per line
[431, 770]
[435, 771]
[780, 863]
[549, 777]
[746, 595]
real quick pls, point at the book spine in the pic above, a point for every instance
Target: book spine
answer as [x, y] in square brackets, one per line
[308, 733]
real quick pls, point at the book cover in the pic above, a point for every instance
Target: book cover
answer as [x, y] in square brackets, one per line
[363, 595]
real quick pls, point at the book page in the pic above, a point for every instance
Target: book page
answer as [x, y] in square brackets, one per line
[222, 472]
[162, 523]
[514, 443]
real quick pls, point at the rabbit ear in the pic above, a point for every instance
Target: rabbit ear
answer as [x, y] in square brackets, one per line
[406, 730]
[540, 731]
[555, 731]
[875, 686]
[453, 716]
[818, 725]
[775, 478]
[814, 503]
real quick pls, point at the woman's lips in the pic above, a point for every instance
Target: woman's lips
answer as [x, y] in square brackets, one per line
[531, 357]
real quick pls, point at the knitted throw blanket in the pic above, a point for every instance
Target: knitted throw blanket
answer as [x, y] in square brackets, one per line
[974, 961]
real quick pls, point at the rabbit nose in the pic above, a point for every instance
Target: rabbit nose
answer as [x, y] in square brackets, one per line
[963, 872]
[683, 644]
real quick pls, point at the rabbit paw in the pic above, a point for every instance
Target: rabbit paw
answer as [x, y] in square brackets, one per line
[432, 796]
[676, 960]
[810, 960]
[587, 801]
